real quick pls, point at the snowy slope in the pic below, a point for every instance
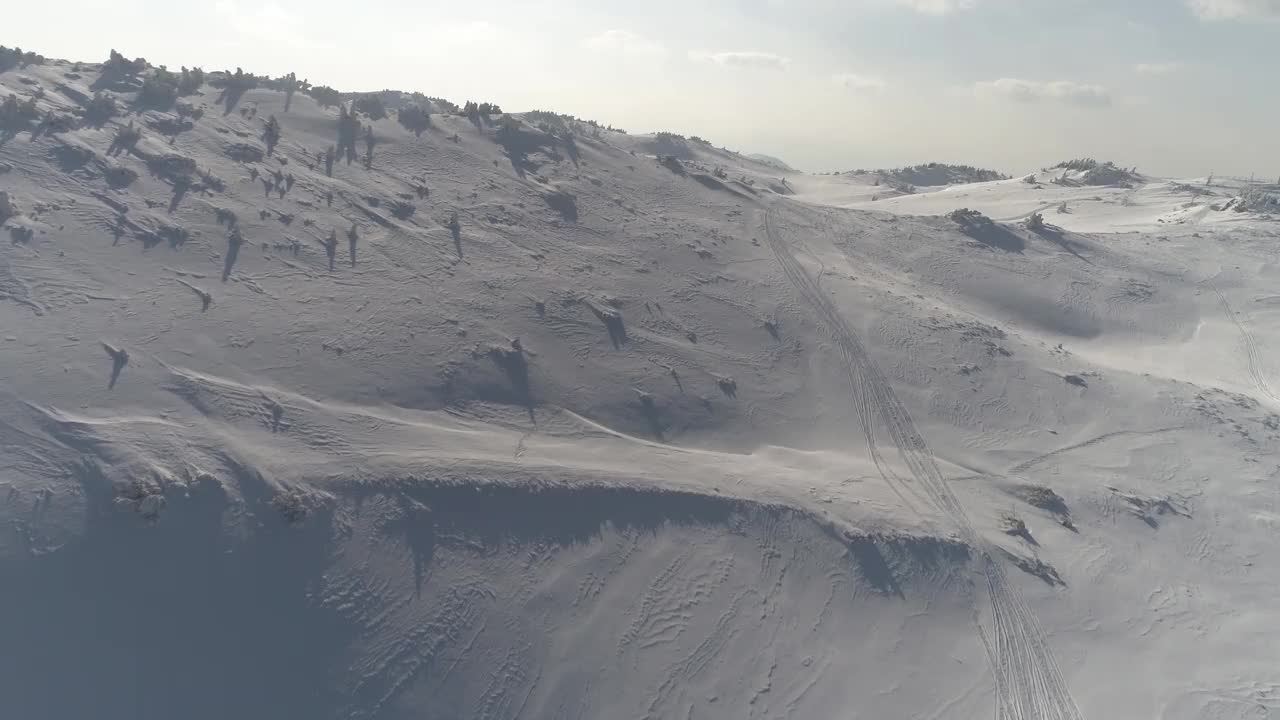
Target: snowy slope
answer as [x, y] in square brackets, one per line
[633, 437]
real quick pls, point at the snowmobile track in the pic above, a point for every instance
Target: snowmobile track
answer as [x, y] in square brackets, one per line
[1028, 680]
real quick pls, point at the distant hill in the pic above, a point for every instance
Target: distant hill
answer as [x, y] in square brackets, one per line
[770, 160]
[932, 174]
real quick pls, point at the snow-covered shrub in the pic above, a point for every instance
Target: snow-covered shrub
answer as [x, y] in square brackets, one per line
[414, 118]
[1107, 174]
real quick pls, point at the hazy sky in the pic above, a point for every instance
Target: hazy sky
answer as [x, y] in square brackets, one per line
[1179, 87]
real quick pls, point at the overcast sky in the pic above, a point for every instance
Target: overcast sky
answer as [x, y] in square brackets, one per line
[1177, 87]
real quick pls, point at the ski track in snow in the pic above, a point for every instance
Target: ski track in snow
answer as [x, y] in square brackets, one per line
[1028, 680]
[1028, 464]
[1253, 356]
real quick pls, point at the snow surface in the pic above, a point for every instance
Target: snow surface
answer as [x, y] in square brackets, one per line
[632, 438]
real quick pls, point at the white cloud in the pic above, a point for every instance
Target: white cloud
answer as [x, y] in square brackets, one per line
[265, 22]
[1157, 68]
[624, 42]
[1236, 9]
[1064, 91]
[859, 83]
[447, 39]
[743, 59]
[473, 34]
[937, 7]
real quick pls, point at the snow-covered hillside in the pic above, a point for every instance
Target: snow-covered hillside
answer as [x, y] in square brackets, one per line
[516, 416]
